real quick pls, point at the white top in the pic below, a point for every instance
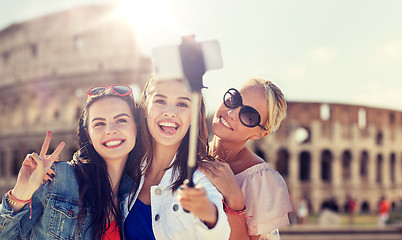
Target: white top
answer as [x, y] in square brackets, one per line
[169, 221]
[266, 198]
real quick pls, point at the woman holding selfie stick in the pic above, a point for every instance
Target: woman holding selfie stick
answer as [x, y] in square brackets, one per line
[255, 196]
[163, 207]
[82, 200]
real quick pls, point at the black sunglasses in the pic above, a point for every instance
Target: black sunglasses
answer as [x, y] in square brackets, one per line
[248, 116]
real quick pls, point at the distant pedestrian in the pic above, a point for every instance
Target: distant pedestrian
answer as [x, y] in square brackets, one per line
[400, 203]
[351, 209]
[383, 212]
[302, 210]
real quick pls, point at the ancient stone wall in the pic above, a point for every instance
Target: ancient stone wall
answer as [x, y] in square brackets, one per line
[326, 150]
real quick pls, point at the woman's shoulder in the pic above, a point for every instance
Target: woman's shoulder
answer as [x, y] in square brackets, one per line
[199, 176]
[261, 174]
[63, 166]
[64, 183]
[63, 169]
[261, 168]
[202, 179]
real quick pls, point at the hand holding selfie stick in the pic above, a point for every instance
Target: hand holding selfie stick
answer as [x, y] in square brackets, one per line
[192, 61]
[189, 60]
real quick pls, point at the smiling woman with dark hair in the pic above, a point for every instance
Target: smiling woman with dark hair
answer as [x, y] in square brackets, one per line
[82, 201]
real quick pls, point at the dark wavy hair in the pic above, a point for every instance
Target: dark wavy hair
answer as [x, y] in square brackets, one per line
[95, 190]
[180, 164]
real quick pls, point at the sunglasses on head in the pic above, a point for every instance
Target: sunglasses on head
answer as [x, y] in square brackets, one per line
[248, 116]
[118, 89]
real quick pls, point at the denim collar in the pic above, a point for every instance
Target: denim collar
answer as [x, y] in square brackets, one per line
[126, 184]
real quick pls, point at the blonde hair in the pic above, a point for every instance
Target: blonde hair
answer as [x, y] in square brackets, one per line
[276, 102]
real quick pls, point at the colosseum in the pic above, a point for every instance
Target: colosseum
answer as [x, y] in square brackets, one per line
[46, 66]
[326, 150]
[323, 150]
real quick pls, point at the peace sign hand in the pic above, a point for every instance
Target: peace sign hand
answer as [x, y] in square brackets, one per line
[34, 169]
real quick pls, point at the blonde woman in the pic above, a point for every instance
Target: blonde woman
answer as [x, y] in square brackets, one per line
[256, 197]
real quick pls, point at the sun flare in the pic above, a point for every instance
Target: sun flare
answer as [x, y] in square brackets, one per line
[150, 18]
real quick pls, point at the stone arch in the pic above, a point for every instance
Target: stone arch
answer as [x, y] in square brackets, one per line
[379, 138]
[326, 166]
[392, 159]
[2, 163]
[282, 162]
[365, 207]
[16, 162]
[305, 166]
[393, 206]
[53, 108]
[51, 104]
[9, 113]
[364, 161]
[34, 50]
[4, 114]
[346, 165]
[330, 203]
[73, 109]
[379, 167]
[17, 113]
[33, 110]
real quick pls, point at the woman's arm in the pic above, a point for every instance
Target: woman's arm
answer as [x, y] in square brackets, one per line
[32, 172]
[221, 175]
[18, 202]
[219, 228]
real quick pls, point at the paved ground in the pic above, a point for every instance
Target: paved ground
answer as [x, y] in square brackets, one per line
[342, 233]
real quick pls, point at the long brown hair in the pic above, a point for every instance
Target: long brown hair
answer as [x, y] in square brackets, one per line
[180, 163]
[95, 190]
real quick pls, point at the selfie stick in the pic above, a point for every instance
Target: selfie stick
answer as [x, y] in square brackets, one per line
[193, 65]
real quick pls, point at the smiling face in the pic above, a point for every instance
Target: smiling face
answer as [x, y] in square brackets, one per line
[226, 123]
[111, 128]
[168, 108]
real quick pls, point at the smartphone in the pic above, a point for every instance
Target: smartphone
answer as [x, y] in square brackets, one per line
[167, 61]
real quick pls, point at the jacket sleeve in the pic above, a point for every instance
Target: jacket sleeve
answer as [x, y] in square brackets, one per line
[222, 229]
[10, 226]
[16, 225]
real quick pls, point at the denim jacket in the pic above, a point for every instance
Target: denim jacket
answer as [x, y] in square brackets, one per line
[54, 210]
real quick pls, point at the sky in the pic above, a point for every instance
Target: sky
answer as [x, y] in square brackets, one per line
[334, 51]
